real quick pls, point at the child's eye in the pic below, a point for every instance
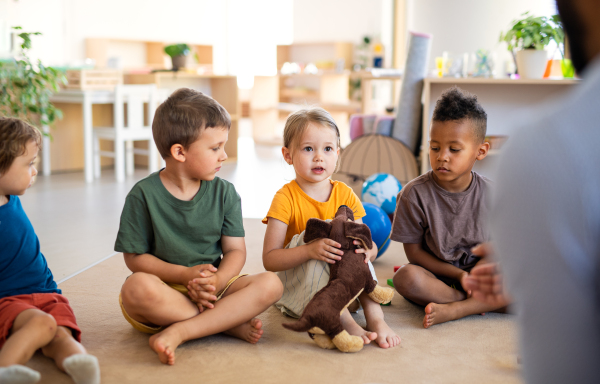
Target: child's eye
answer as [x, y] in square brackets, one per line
[454, 150]
[328, 149]
[434, 148]
[307, 149]
[216, 149]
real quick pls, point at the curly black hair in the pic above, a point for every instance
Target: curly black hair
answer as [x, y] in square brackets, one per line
[455, 104]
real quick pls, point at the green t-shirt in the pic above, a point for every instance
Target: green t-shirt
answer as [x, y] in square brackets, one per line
[179, 232]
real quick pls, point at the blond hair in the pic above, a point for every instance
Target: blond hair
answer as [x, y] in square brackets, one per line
[298, 121]
[14, 136]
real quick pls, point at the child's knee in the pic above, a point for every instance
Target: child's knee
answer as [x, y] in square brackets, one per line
[62, 334]
[407, 280]
[271, 286]
[44, 325]
[139, 290]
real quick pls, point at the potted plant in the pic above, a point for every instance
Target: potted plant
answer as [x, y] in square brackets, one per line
[530, 36]
[25, 87]
[568, 71]
[178, 53]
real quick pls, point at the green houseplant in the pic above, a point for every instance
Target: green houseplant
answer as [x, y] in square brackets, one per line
[25, 87]
[568, 70]
[530, 36]
[178, 53]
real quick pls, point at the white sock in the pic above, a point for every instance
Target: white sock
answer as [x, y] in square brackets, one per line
[18, 374]
[83, 368]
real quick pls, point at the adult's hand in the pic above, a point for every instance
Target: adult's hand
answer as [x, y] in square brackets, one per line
[485, 280]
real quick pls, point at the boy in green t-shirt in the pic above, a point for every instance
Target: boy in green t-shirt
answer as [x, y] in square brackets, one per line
[175, 226]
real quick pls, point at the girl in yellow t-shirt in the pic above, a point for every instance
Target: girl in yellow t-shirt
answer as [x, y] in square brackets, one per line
[312, 146]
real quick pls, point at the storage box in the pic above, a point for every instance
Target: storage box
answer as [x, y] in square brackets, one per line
[94, 79]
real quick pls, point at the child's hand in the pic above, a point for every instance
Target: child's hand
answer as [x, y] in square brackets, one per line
[202, 289]
[326, 250]
[464, 276]
[192, 272]
[370, 254]
[201, 294]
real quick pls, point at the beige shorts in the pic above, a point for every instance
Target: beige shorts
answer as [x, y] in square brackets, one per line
[153, 329]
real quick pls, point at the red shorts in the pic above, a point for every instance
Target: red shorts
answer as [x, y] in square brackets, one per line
[53, 304]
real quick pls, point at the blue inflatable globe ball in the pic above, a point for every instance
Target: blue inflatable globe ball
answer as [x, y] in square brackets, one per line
[380, 226]
[381, 189]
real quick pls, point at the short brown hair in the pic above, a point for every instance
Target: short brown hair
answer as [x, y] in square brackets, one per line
[297, 122]
[14, 136]
[181, 118]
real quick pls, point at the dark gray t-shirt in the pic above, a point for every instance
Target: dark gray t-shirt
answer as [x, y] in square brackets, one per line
[179, 232]
[446, 224]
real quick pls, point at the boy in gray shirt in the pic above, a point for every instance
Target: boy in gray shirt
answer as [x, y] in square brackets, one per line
[441, 215]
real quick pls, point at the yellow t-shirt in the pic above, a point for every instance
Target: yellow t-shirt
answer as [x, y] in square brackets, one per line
[294, 207]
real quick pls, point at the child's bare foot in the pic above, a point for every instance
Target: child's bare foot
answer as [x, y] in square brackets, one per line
[356, 330]
[386, 337]
[438, 313]
[251, 331]
[164, 344]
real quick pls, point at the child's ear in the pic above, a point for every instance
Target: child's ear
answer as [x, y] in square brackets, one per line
[483, 150]
[287, 156]
[178, 152]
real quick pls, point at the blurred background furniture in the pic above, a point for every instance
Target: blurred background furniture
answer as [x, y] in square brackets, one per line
[135, 125]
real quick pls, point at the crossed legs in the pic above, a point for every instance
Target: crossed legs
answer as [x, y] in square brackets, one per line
[147, 300]
[442, 303]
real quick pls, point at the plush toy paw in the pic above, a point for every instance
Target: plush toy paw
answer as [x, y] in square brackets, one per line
[324, 341]
[347, 343]
[382, 295]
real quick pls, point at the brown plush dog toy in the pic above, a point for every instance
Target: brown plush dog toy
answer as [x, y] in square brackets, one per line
[347, 279]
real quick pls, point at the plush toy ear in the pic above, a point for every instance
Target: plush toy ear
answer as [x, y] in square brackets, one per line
[316, 229]
[359, 232]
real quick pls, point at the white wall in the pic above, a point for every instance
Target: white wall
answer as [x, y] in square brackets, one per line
[460, 26]
[233, 27]
[336, 20]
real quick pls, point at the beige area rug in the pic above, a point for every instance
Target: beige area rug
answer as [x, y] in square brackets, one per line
[472, 350]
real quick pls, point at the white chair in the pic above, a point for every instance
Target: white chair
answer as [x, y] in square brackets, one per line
[123, 135]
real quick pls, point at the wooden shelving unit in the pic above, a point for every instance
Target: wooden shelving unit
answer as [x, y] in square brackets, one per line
[98, 49]
[324, 55]
[274, 97]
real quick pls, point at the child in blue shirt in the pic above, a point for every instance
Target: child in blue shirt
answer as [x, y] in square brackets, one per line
[33, 313]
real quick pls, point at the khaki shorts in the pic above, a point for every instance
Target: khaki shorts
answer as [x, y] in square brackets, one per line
[179, 288]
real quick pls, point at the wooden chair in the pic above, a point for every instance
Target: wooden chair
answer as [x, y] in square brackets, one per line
[123, 134]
